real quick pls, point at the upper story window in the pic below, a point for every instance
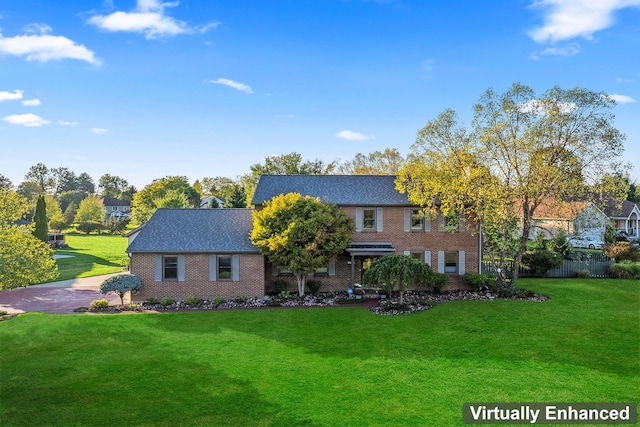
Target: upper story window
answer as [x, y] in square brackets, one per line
[416, 220]
[369, 219]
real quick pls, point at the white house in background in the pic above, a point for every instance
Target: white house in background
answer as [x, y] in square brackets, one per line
[626, 218]
[205, 201]
[116, 208]
[574, 218]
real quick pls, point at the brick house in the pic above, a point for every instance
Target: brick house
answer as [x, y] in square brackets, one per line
[178, 253]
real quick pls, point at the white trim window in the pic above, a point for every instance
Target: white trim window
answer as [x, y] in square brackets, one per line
[224, 268]
[451, 262]
[416, 220]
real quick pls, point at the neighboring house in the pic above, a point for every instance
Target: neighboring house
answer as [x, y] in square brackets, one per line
[205, 201]
[574, 218]
[625, 217]
[207, 252]
[116, 208]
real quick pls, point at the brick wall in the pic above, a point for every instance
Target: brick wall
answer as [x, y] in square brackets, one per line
[393, 232]
[197, 283]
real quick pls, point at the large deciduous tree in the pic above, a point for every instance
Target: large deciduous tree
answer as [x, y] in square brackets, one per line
[170, 191]
[300, 234]
[112, 186]
[24, 259]
[91, 214]
[387, 162]
[285, 164]
[522, 149]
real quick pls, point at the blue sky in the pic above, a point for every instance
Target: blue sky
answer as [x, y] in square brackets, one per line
[144, 89]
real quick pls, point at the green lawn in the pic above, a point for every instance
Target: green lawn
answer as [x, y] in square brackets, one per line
[91, 255]
[323, 366]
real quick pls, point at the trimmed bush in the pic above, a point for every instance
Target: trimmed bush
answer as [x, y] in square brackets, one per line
[540, 261]
[438, 281]
[166, 301]
[477, 282]
[218, 301]
[313, 286]
[192, 301]
[98, 304]
[625, 270]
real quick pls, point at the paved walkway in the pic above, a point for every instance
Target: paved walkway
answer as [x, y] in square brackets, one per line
[56, 297]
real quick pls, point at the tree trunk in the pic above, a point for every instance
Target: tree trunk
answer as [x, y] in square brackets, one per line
[300, 277]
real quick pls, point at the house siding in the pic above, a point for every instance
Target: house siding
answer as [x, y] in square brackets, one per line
[196, 278]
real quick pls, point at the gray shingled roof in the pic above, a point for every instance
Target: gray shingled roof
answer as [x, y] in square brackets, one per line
[195, 230]
[353, 190]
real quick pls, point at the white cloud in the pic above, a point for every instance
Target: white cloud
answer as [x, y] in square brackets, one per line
[98, 131]
[44, 47]
[572, 49]
[66, 123]
[567, 19]
[148, 18]
[623, 80]
[238, 86]
[31, 102]
[622, 99]
[8, 96]
[27, 120]
[352, 136]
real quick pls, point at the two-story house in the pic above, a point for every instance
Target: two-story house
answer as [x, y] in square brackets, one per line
[207, 252]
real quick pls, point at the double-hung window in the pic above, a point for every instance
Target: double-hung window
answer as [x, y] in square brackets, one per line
[224, 267]
[369, 219]
[170, 267]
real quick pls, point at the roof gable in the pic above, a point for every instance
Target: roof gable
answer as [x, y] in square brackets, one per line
[354, 190]
[195, 230]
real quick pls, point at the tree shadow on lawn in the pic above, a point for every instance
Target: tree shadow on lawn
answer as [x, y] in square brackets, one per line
[78, 264]
[555, 331]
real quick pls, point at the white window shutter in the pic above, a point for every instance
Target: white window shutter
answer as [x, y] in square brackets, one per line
[407, 220]
[427, 223]
[461, 263]
[235, 268]
[158, 268]
[378, 219]
[332, 267]
[440, 261]
[427, 258]
[213, 268]
[180, 268]
[358, 219]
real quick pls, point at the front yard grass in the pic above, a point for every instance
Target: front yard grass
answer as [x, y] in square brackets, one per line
[91, 255]
[323, 366]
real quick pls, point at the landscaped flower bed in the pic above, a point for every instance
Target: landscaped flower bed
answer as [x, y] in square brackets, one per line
[414, 301]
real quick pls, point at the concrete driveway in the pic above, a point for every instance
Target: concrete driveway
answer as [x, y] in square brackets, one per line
[56, 297]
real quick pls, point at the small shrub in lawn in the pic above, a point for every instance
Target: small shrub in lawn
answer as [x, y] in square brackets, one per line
[218, 301]
[166, 301]
[438, 281]
[192, 301]
[313, 286]
[583, 274]
[625, 270]
[477, 282]
[284, 294]
[279, 286]
[99, 304]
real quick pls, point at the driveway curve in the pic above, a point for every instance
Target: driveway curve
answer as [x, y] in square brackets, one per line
[56, 297]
